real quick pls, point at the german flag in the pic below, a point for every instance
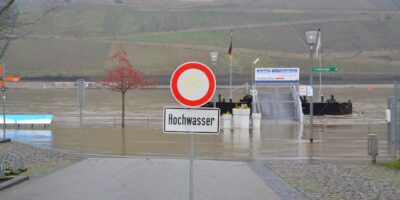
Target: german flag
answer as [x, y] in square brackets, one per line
[230, 47]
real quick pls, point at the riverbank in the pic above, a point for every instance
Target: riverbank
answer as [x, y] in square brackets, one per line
[38, 160]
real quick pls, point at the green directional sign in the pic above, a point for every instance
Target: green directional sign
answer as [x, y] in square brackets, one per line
[325, 69]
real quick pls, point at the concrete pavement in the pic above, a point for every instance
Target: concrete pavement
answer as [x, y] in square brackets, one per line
[142, 178]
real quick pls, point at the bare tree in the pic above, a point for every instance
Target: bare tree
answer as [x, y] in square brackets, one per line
[8, 14]
[123, 77]
[12, 26]
[8, 18]
[5, 6]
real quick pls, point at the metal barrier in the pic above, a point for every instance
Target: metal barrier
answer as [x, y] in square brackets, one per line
[373, 147]
[298, 105]
[112, 120]
[11, 160]
[393, 117]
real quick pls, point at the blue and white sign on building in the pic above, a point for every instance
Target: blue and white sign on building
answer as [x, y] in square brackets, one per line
[277, 75]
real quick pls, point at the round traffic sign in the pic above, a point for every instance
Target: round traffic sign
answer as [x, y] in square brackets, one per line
[193, 84]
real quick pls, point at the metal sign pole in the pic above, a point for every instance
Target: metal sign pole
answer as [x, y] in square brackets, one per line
[81, 99]
[312, 97]
[171, 125]
[191, 166]
[4, 113]
[230, 81]
[3, 89]
[320, 78]
[394, 121]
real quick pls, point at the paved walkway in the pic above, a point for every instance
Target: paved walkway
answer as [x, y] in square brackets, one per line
[141, 178]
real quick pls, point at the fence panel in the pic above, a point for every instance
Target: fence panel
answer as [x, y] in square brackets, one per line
[394, 125]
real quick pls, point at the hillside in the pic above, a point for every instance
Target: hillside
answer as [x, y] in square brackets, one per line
[76, 39]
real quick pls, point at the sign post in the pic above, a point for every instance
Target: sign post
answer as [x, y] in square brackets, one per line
[192, 85]
[81, 98]
[3, 88]
[323, 69]
[191, 170]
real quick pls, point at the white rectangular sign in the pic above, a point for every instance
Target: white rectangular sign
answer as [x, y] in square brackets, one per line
[302, 90]
[191, 120]
[310, 91]
[277, 75]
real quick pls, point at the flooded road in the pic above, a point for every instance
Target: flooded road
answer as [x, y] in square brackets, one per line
[143, 136]
[275, 139]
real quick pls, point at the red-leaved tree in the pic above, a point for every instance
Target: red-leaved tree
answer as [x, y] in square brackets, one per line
[123, 77]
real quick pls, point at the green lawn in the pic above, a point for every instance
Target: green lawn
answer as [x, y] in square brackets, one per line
[268, 38]
[337, 36]
[56, 57]
[43, 57]
[393, 24]
[86, 20]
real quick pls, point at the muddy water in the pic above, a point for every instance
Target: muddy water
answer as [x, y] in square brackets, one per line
[275, 139]
[143, 135]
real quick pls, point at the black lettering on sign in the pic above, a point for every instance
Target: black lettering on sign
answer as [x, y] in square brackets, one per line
[191, 121]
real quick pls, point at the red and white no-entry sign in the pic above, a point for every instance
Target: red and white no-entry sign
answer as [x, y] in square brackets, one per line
[193, 84]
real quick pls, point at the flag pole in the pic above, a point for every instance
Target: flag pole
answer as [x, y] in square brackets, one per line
[230, 69]
[318, 52]
[230, 80]
[320, 78]
[3, 90]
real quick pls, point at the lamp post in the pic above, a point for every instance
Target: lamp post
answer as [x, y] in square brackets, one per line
[253, 91]
[311, 37]
[3, 90]
[253, 73]
[214, 59]
[8, 37]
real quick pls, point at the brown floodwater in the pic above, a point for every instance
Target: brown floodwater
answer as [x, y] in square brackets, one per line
[335, 137]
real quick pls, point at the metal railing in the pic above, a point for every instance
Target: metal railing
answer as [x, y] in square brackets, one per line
[143, 121]
[298, 104]
[394, 121]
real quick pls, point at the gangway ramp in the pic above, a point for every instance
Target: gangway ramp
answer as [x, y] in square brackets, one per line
[278, 106]
[279, 102]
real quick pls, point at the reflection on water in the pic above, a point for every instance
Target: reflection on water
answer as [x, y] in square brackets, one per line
[35, 137]
[275, 139]
[143, 135]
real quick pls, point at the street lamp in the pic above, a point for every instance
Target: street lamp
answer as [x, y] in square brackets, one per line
[214, 59]
[8, 37]
[311, 37]
[253, 91]
[3, 90]
[253, 73]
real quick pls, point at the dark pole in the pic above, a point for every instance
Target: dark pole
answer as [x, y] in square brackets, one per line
[312, 97]
[3, 90]
[4, 112]
[81, 99]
